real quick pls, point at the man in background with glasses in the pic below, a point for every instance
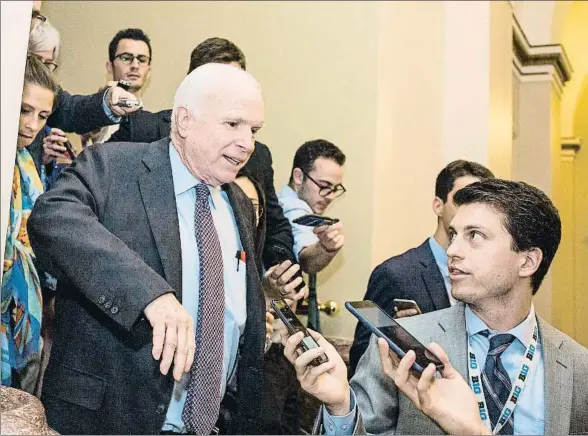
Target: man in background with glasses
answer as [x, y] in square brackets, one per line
[129, 59]
[315, 181]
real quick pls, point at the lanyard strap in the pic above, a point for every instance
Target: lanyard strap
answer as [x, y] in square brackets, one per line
[517, 389]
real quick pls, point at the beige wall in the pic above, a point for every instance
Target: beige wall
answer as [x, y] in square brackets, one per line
[362, 74]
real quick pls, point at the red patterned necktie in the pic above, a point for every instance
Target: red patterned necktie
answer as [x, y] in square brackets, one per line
[203, 398]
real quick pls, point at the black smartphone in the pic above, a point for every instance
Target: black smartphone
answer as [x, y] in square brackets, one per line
[279, 255]
[401, 304]
[312, 220]
[70, 150]
[294, 326]
[124, 85]
[128, 103]
[398, 338]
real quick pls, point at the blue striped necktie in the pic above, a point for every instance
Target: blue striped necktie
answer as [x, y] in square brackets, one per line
[496, 381]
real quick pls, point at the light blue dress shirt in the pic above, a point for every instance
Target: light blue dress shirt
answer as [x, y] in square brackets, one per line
[440, 256]
[234, 276]
[293, 208]
[529, 414]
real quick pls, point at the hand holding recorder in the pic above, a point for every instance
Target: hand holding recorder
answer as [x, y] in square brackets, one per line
[121, 102]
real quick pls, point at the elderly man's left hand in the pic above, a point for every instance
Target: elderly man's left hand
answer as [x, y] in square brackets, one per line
[277, 284]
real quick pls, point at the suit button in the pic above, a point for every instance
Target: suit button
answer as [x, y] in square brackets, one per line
[108, 304]
[114, 310]
[160, 408]
[101, 299]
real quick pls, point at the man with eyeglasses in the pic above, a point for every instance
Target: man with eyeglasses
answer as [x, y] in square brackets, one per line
[315, 181]
[129, 59]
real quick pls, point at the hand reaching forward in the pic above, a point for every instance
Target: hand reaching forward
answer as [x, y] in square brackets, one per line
[173, 334]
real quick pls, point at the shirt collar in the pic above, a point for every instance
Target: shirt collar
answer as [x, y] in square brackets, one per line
[523, 332]
[440, 255]
[184, 180]
[288, 192]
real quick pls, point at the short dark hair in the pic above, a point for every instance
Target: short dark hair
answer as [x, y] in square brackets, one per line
[136, 34]
[453, 171]
[310, 151]
[37, 73]
[216, 50]
[529, 216]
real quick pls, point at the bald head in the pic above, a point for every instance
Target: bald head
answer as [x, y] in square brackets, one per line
[217, 111]
[214, 81]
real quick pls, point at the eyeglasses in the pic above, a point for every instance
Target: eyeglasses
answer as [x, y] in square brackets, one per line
[38, 16]
[51, 66]
[128, 58]
[326, 190]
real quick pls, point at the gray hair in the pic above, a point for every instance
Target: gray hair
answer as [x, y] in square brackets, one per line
[44, 37]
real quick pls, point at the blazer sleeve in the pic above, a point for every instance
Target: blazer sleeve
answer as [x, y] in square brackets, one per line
[79, 113]
[278, 228]
[382, 289]
[71, 243]
[376, 394]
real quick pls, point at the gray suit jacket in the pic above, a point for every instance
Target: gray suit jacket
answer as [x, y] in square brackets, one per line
[384, 410]
[109, 232]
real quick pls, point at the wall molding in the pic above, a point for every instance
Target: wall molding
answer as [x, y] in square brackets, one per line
[539, 63]
[570, 146]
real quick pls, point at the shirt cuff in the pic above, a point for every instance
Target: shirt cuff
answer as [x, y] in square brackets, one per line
[108, 111]
[340, 424]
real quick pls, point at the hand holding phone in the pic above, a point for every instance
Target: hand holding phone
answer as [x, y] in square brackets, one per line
[398, 338]
[312, 220]
[405, 308]
[279, 255]
[293, 325]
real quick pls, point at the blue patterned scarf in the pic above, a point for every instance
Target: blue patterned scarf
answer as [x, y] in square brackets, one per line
[20, 330]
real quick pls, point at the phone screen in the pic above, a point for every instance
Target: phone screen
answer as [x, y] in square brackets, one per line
[396, 333]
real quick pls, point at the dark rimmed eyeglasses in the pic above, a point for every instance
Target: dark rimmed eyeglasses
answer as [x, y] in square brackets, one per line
[129, 58]
[51, 66]
[326, 190]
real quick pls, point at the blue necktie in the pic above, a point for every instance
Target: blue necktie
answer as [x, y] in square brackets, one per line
[203, 398]
[496, 381]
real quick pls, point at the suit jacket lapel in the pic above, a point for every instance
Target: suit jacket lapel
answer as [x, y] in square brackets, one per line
[558, 381]
[453, 338]
[433, 278]
[157, 192]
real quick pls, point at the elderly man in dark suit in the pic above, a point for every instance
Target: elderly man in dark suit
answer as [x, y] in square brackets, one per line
[153, 248]
[146, 126]
[420, 274]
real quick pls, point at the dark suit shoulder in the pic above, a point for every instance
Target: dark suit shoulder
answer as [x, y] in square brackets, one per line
[413, 257]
